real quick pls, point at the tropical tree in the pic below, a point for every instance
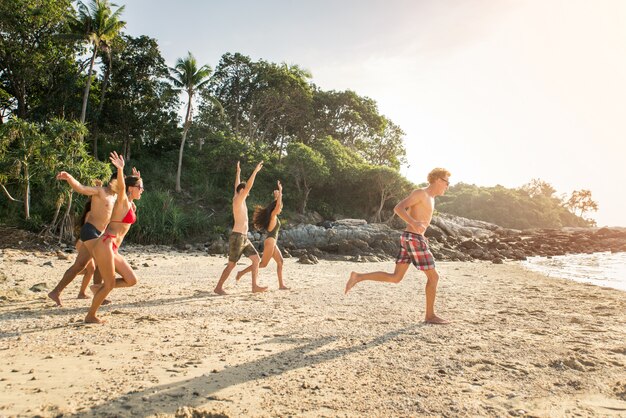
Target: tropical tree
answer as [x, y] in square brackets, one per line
[581, 200]
[232, 84]
[33, 63]
[141, 108]
[66, 151]
[308, 169]
[24, 143]
[538, 187]
[383, 184]
[190, 78]
[98, 25]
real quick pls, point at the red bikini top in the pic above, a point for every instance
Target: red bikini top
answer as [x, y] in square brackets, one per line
[130, 217]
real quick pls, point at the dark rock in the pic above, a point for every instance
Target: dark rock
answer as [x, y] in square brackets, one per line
[39, 287]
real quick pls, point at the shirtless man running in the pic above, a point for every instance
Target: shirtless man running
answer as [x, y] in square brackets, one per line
[417, 211]
[238, 243]
[102, 202]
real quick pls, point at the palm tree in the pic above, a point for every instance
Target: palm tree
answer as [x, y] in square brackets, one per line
[98, 25]
[189, 78]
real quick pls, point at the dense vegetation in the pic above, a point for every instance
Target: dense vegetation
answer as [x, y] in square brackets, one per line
[532, 206]
[74, 86]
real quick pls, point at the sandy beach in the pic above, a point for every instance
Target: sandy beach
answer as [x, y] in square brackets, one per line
[521, 344]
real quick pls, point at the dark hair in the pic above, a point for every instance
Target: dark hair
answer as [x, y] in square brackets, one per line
[131, 181]
[241, 186]
[86, 210]
[262, 216]
[113, 176]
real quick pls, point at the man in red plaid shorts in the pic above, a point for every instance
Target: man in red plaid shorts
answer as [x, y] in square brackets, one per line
[417, 211]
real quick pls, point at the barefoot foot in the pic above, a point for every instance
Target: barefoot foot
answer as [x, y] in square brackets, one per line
[55, 297]
[220, 291]
[82, 295]
[94, 320]
[435, 320]
[106, 302]
[238, 276]
[258, 289]
[351, 282]
[283, 287]
[95, 287]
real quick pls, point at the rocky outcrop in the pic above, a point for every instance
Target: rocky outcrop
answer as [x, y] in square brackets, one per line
[451, 238]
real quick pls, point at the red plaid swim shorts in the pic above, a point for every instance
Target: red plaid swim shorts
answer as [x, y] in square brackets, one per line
[414, 249]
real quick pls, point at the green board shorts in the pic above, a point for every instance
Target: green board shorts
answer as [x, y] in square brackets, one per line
[238, 245]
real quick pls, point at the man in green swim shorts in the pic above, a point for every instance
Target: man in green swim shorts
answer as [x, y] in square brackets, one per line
[238, 242]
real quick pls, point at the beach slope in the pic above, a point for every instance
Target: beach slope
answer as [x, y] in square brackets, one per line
[521, 343]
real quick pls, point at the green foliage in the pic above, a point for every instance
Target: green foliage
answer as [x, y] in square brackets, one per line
[307, 169]
[333, 150]
[581, 200]
[383, 185]
[510, 208]
[34, 63]
[140, 112]
[164, 221]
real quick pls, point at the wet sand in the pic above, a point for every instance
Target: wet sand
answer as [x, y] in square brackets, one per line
[521, 344]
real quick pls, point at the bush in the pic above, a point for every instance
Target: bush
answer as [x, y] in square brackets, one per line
[162, 221]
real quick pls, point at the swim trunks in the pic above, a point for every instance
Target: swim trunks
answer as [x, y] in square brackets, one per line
[89, 232]
[414, 249]
[239, 244]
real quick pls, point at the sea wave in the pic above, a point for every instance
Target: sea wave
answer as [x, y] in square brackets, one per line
[602, 269]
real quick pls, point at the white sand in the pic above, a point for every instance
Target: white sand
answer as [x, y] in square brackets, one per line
[521, 343]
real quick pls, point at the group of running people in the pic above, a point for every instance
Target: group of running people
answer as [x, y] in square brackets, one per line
[111, 211]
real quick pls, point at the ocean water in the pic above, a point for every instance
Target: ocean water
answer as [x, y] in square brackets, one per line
[602, 269]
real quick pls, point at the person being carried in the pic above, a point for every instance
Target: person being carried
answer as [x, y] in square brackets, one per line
[238, 242]
[266, 218]
[417, 211]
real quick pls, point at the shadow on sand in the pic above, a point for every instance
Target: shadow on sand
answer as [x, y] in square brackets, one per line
[200, 390]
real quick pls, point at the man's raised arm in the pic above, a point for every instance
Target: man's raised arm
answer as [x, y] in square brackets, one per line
[76, 185]
[250, 181]
[237, 176]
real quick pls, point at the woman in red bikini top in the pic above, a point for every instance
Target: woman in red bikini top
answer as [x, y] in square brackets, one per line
[124, 211]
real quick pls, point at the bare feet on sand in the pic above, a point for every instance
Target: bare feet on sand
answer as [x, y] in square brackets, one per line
[284, 288]
[82, 296]
[435, 320]
[55, 297]
[238, 275]
[351, 282]
[94, 289]
[258, 289]
[220, 292]
[94, 320]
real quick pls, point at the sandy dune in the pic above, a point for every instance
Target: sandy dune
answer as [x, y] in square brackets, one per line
[521, 344]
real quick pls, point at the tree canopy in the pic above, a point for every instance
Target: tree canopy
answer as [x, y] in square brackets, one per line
[74, 86]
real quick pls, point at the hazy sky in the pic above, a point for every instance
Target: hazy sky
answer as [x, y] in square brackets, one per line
[498, 92]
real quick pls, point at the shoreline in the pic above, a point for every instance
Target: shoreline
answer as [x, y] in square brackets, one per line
[603, 269]
[521, 341]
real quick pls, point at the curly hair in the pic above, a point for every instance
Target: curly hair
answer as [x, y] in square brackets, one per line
[262, 216]
[437, 173]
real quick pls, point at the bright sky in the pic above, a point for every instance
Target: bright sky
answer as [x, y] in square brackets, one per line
[498, 92]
